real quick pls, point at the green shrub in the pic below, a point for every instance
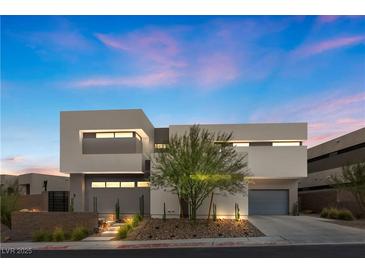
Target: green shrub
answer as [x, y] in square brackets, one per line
[324, 212]
[140, 217]
[68, 235]
[48, 237]
[128, 226]
[58, 234]
[9, 203]
[38, 236]
[42, 236]
[345, 214]
[333, 213]
[136, 219]
[123, 232]
[79, 233]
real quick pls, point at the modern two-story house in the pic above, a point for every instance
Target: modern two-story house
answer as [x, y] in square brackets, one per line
[108, 156]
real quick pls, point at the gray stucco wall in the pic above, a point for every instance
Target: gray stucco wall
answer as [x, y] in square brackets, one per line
[161, 135]
[350, 139]
[111, 145]
[338, 160]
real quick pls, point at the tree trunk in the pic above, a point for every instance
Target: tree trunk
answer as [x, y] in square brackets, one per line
[210, 205]
[193, 210]
[184, 208]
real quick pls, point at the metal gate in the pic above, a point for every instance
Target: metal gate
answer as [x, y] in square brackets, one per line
[58, 201]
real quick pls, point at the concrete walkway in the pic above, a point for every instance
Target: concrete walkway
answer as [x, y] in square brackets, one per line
[306, 229]
[107, 235]
[185, 243]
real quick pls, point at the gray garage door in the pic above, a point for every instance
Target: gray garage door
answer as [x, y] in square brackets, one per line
[268, 202]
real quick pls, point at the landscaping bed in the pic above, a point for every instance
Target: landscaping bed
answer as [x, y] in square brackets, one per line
[158, 229]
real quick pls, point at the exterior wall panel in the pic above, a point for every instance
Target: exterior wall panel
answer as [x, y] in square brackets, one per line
[111, 146]
[75, 123]
[276, 162]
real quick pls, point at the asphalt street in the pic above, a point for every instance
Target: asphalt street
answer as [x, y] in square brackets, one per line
[291, 251]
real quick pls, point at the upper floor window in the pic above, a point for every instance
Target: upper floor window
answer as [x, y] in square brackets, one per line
[123, 134]
[286, 144]
[105, 135]
[120, 134]
[160, 146]
[98, 184]
[120, 184]
[241, 144]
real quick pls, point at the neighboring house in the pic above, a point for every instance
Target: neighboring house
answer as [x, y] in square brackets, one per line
[35, 183]
[326, 160]
[7, 181]
[41, 192]
[108, 156]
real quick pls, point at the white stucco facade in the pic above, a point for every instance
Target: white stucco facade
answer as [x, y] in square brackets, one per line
[271, 167]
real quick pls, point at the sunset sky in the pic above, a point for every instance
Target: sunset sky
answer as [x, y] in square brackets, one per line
[179, 70]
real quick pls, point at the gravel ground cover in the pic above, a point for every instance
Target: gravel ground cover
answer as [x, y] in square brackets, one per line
[157, 229]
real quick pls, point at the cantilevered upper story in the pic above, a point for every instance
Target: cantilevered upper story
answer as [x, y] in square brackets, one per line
[105, 141]
[121, 141]
[108, 155]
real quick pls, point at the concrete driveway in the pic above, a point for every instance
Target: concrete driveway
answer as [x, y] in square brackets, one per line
[306, 229]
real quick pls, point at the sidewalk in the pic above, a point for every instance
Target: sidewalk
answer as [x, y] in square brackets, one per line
[184, 243]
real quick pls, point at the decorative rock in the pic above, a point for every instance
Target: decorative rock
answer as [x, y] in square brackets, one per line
[184, 229]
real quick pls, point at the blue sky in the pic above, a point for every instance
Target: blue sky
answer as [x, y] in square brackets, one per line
[178, 69]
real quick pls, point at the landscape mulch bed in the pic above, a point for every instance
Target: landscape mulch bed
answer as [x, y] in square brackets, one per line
[157, 229]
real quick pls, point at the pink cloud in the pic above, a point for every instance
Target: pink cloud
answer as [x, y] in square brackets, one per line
[36, 169]
[324, 19]
[333, 130]
[216, 69]
[327, 45]
[146, 80]
[328, 116]
[14, 159]
[152, 45]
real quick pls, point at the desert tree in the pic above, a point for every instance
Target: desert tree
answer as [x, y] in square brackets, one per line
[352, 179]
[197, 164]
[9, 202]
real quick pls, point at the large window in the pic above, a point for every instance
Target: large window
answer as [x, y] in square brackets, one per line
[285, 144]
[241, 144]
[113, 184]
[143, 184]
[160, 146]
[127, 184]
[120, 134]
[105, 135]
[123, 134]
[98, 184]
[120, 184]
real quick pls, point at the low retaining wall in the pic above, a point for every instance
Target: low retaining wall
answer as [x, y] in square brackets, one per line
[35, 201]
[319, 199]
[24, 224]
